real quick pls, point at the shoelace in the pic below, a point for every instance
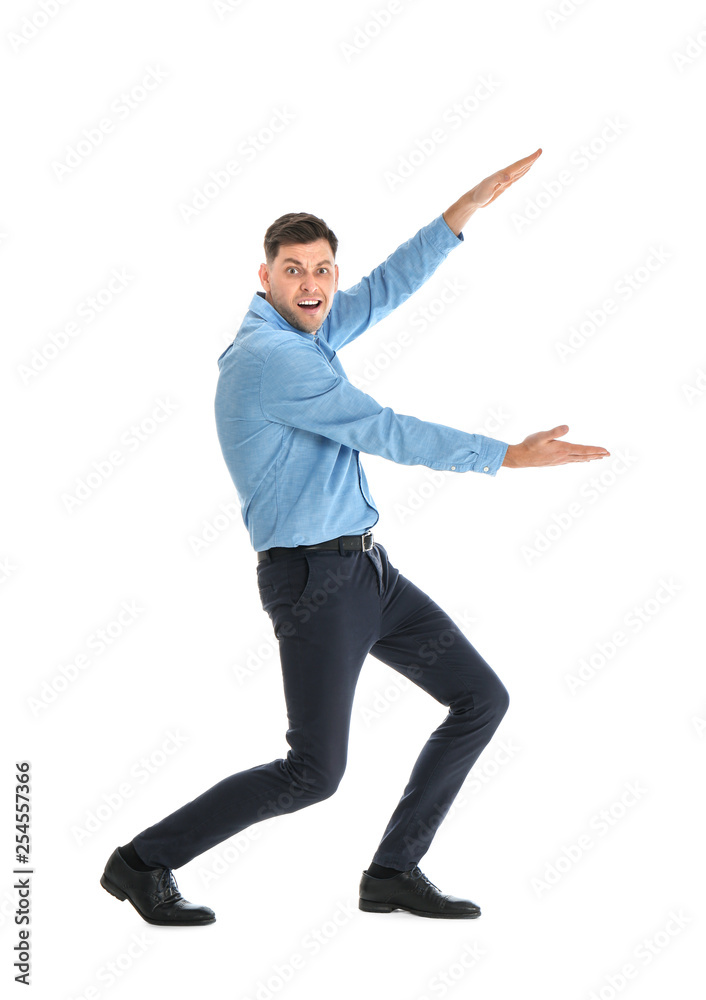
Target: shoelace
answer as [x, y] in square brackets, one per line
[168, 884]
[420, 875]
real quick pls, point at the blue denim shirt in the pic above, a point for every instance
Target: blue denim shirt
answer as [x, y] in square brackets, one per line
[291, 425]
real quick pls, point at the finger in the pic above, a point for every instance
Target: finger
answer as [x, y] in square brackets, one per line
[499, 191]
[516, 174]
[516, 170]
[502, 179]
[581, 458]
[525, 163]
[508, 176]
[585, 451]
[559, 432]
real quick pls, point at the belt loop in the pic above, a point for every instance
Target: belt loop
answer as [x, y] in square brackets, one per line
[341, 549]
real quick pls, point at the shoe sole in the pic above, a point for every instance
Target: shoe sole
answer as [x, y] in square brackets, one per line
[119, 894]
[372, 907]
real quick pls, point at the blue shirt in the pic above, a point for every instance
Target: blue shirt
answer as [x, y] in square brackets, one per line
[291, 426]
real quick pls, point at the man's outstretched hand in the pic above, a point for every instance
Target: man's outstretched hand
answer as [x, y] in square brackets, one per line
[542, 448]
[490, 187]
[458, 214]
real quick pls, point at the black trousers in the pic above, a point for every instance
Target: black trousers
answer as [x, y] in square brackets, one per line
[330, 609]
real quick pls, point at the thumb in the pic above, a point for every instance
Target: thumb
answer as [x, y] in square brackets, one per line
[558, 431]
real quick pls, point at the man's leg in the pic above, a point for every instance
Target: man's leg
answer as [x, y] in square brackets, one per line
[324, 607]
[422, 642]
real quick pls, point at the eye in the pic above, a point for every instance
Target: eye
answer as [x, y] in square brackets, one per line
[291, 269]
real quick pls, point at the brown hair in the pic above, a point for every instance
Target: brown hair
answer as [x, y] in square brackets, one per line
[297, 227]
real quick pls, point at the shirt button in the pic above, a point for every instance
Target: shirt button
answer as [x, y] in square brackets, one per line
[485, 469]
[453, 468]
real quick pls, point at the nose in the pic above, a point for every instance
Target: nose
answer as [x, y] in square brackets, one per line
[309, 284]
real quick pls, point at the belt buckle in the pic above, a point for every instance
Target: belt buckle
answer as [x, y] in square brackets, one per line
[367, 536]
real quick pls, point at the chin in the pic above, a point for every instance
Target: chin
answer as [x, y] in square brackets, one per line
[309, 327]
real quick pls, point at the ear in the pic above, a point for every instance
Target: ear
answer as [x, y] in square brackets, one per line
[335, 287]
[264, 277]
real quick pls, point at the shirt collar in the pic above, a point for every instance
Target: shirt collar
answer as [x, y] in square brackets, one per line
[262, 308]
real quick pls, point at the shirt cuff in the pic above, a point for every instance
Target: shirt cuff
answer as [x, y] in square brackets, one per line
[491, 456]
[441, 236]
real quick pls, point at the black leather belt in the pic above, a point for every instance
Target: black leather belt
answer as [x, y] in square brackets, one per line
[344, 543]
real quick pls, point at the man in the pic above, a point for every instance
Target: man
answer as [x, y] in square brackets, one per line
[291, 427]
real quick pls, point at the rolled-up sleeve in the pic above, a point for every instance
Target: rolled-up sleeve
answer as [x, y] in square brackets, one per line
[299, 388]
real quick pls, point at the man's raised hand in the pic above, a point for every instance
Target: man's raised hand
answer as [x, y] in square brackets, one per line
[542, 448]
[457, 215]
[489, 188]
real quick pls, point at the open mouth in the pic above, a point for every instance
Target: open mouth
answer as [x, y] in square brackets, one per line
[309, 305]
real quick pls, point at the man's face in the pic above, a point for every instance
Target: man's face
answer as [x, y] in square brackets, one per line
[301, 273]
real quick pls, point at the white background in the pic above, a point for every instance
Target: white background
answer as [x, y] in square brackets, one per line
[196, 659]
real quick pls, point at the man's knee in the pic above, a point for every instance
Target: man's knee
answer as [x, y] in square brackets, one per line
[328, 784]
[501, 701]
[316, 782]
[491, 700]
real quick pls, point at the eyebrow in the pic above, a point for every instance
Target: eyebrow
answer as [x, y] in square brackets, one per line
[293, 261]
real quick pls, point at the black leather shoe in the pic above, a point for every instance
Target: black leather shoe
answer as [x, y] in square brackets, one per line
[414, 892]
[154, 894]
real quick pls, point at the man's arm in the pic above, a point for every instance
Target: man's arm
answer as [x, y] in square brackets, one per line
[412, 264]
[391, 283]
[299, 388]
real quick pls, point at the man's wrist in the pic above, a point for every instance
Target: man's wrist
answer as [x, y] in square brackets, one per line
[512, 457]
[457, 215]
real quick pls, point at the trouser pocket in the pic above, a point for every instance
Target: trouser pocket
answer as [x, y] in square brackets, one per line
[285, 586]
